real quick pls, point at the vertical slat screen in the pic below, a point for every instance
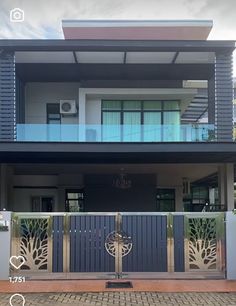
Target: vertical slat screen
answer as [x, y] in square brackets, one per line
[224, 96]
[7, 96]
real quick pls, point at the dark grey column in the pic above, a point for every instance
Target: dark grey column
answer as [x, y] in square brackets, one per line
[224, 96]
[211, 100]
[7, 96]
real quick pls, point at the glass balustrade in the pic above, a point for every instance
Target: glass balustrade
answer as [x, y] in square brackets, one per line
[115, 133]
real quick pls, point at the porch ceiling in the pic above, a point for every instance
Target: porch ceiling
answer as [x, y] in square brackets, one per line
[171, 172]
[82, 65]
[32, 72]
[117, 153]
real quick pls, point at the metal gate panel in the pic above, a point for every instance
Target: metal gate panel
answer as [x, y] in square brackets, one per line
[204, 242]
[87, 243]
[149, 243]
[32, 240]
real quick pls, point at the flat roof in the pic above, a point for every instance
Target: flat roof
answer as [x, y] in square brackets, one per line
[137, 29]
[116, 45]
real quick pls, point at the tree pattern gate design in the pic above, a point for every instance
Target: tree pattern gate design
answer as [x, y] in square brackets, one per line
[156, 242]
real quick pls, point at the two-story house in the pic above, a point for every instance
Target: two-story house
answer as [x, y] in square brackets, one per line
[114, 118]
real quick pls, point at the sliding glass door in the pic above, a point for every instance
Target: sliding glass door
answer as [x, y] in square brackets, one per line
[131, 121]
[171, 121]
[135, 121]
[111, 121]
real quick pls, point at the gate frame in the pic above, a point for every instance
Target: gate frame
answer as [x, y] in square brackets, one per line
[118, 258]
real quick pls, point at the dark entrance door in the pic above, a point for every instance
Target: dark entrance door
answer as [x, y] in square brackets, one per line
[42, 204]
[47, 203]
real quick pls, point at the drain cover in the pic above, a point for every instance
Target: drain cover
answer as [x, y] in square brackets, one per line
[119, 285]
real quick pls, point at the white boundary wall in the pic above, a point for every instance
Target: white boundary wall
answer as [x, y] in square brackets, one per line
[231, 245]
[5, 246]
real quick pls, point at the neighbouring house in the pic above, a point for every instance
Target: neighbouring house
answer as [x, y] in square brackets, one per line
[129, 117]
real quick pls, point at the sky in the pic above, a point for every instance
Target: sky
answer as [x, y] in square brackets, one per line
[43, 17]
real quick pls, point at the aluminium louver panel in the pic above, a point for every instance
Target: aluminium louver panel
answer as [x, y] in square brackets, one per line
[224, 96]
[7, 96]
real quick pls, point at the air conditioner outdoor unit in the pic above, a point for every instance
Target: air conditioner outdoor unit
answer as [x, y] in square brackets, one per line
[68, 107]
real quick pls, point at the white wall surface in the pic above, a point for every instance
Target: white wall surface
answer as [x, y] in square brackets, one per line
[231, 245]
[93, 110]
[5, 246]
[37, 95]
[22, 198]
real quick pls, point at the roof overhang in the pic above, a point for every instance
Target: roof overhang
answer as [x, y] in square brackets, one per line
[117, 45]
[117, 153]
[137, 29]
[76, 60]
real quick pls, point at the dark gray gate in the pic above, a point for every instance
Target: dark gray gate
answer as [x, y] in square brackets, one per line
[87, 243]
[149, 243]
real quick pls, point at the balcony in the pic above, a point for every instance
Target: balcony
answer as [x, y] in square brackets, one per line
[114, 133]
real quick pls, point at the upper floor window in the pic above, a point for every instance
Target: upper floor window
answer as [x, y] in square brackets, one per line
[53, 113]
[136, 112]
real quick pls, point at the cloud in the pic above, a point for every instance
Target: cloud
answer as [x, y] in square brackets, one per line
[43, 17]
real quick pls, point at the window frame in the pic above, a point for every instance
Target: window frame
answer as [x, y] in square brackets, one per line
[67, 199]
[141, 110]
[160, 191]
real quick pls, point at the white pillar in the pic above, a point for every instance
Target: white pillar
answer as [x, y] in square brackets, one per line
[179, 198]
[82, 105]
[226, 185]
[82, 115]
[231, 245]
[5, 245]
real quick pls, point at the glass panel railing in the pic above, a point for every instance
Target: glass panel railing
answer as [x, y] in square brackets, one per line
[114, 133]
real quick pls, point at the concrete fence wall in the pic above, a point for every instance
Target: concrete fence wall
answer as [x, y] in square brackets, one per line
[230, 246]
[5, 245]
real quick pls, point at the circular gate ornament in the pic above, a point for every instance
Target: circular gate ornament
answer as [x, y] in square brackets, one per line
[116, 241]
